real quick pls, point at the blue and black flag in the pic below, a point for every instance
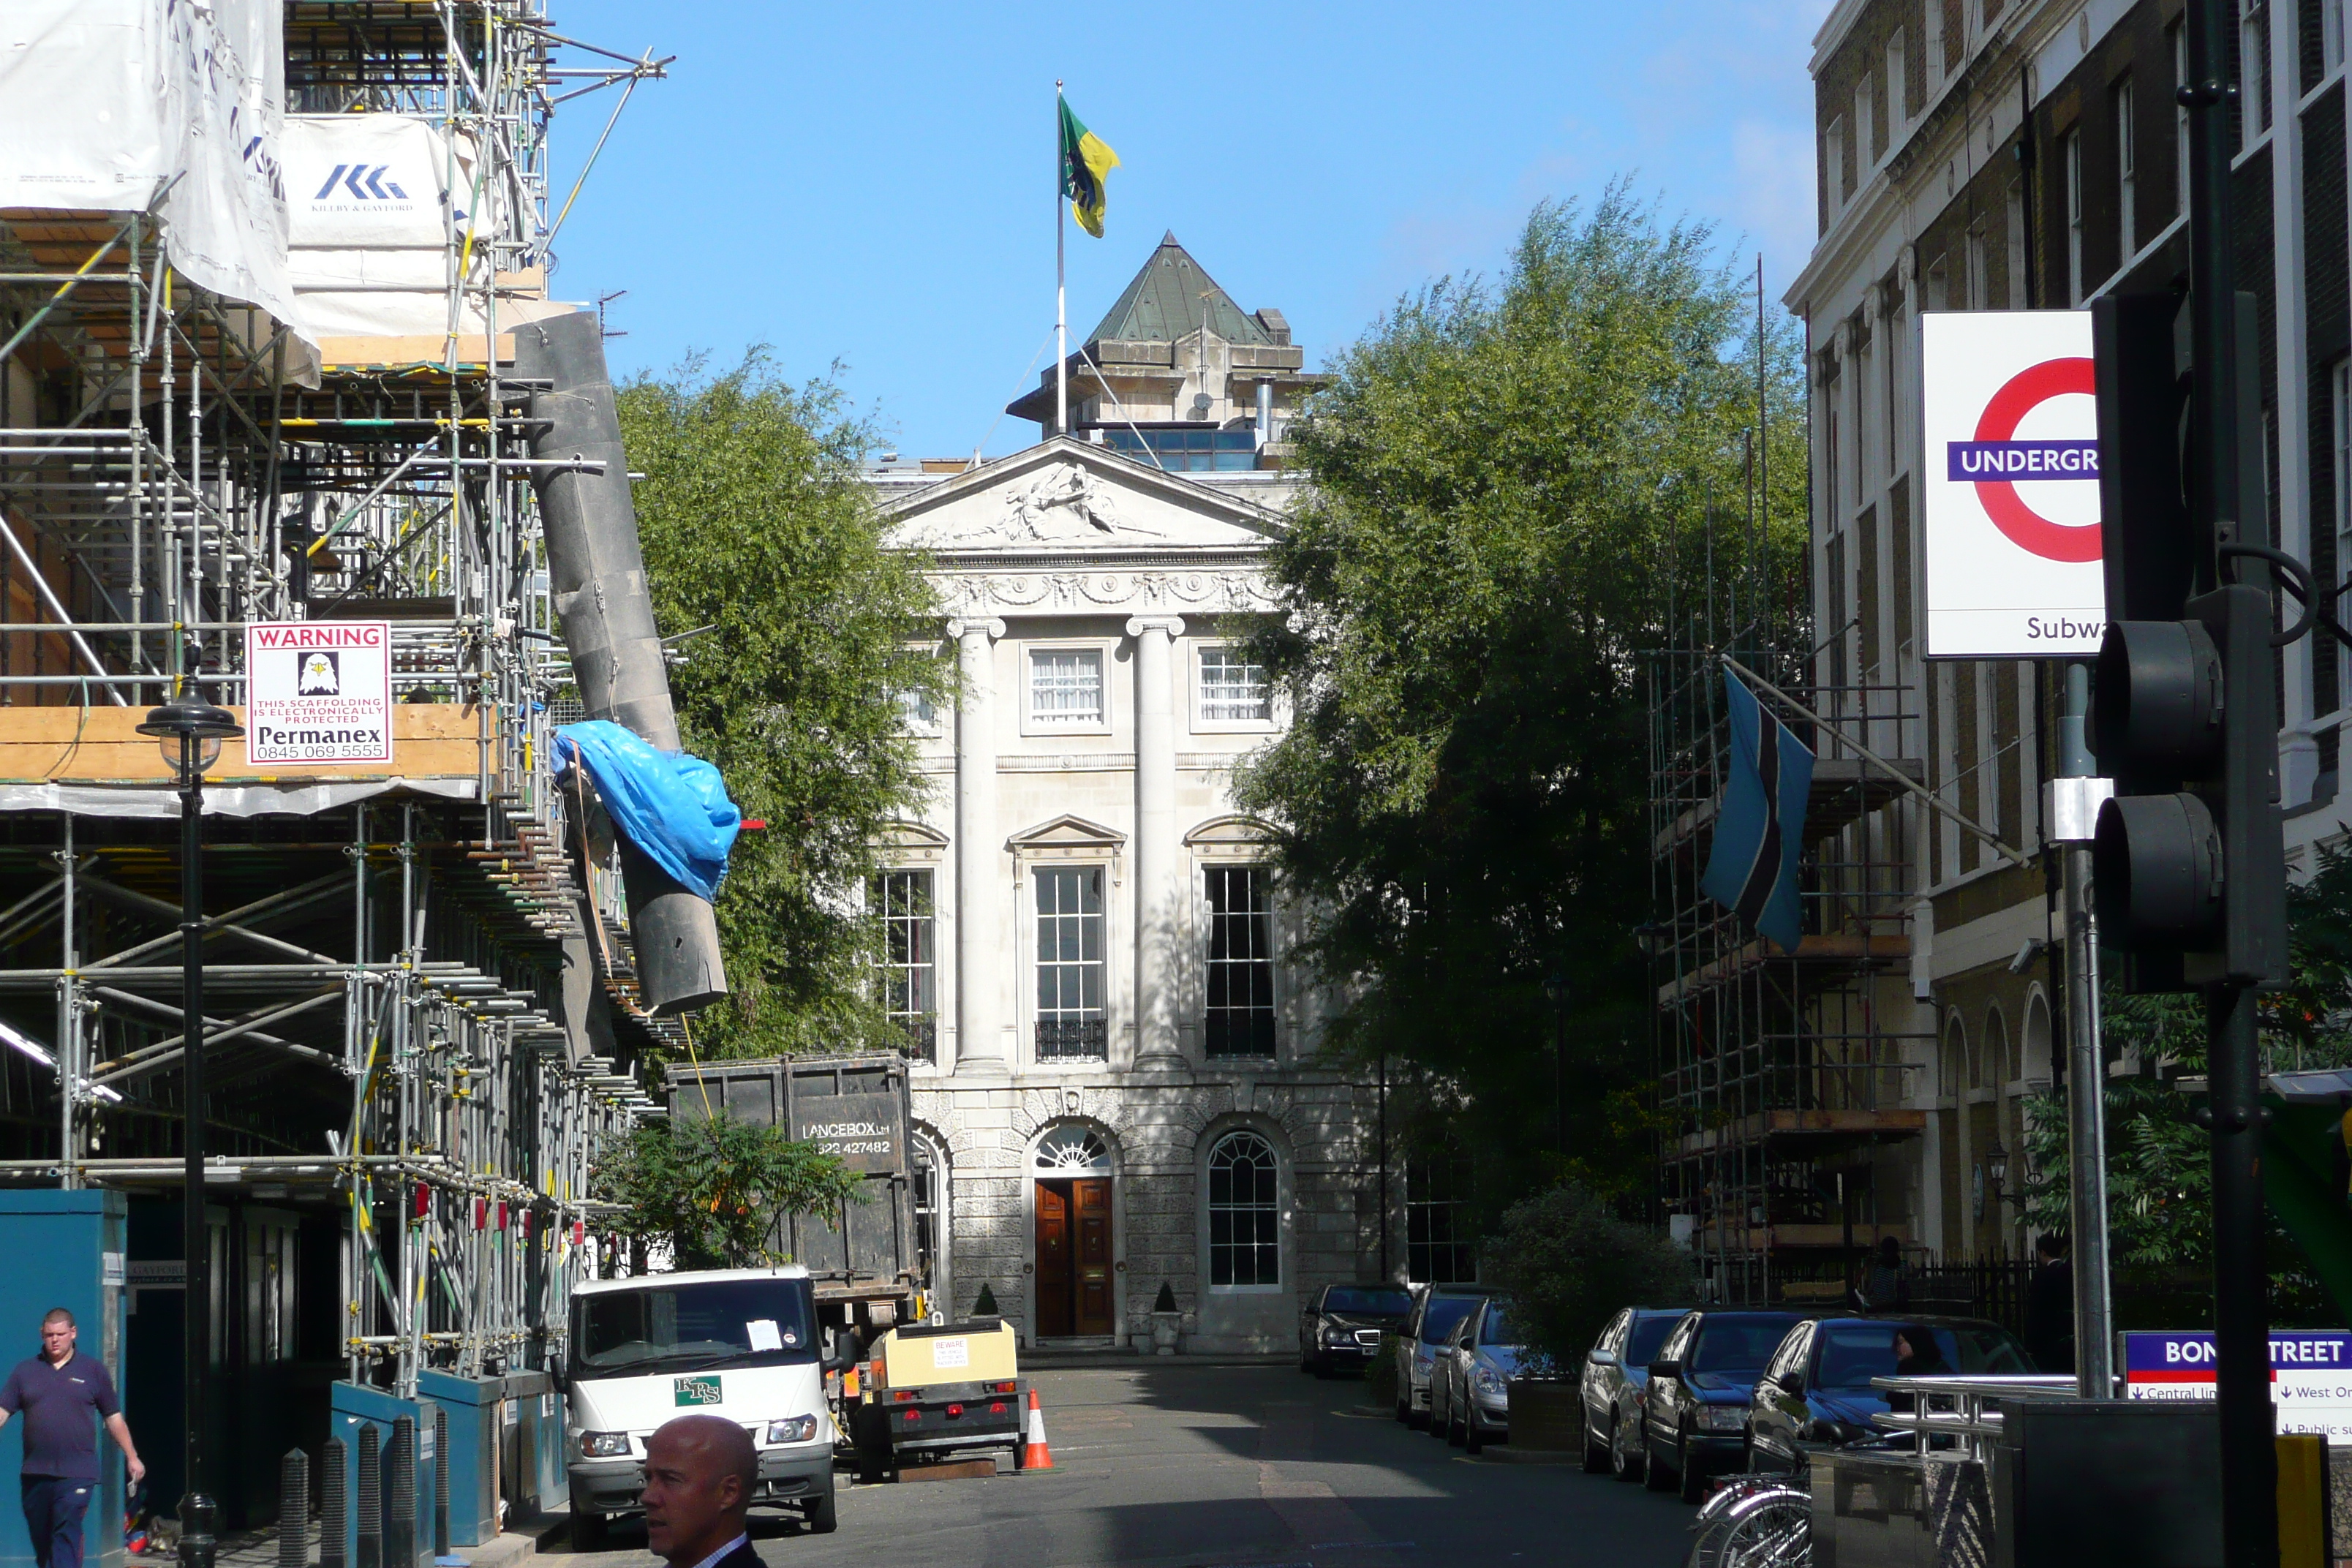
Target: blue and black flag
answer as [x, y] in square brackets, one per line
[1760, 827]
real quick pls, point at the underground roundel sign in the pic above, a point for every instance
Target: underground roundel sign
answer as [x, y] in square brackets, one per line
[2012, 484]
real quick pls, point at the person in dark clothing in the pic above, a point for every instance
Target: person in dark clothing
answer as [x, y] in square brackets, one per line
[1885, 1287]
[58, 1391]
[700, 1472]
[1917, 1355]
[2049, 1306]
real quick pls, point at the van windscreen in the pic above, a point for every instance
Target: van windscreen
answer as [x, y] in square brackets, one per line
[691, 1327]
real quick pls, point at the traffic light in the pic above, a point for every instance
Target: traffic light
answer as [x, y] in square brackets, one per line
[2188, 861]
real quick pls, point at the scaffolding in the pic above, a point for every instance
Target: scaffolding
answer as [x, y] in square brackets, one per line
[428, 1010]
[1781, 1083]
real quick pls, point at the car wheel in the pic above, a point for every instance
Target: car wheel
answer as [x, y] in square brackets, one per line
[1748, 1458]
[1599, 1455]
[1436, 1414]
[1472, 1440]
[1305, 1360]
[823, 1518]
[1404, 1405]
[1693, 1479]
[1656, 1477]
[1625, 1454]
[590, 1532]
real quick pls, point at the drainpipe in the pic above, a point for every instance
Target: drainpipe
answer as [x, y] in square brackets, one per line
[598, 574]
[1265, 412]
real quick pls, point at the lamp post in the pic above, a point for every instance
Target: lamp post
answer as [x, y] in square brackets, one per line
[189, 731]
[1556, 988]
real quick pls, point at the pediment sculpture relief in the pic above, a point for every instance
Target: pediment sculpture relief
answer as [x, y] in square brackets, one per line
[1067, 502]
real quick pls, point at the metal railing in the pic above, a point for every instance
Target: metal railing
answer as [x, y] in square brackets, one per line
[1955, 1407]
[1073, 1039]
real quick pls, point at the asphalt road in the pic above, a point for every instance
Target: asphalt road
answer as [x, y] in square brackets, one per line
[1177, 1467]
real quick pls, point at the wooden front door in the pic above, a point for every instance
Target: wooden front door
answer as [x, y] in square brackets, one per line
[1056, 1312]
[1090, 1203]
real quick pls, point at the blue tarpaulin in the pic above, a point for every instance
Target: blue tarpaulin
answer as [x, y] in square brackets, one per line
[671, 805]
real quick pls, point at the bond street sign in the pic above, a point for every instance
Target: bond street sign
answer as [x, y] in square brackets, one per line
[2311, 1374]
[2010, 489]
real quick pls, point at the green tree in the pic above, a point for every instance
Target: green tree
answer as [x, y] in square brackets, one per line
[1516, 489]
[756, 525]
[713, 1188]
[1570, 1263]
[2159, 1170]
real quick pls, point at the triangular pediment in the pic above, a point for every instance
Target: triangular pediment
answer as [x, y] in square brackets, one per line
[1063, 498]
[1067, 832]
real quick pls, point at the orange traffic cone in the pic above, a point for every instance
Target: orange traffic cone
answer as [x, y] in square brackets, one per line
[1036, 1456]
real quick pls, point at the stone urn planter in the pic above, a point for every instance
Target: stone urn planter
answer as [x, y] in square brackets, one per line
[1546, 1414]
[1166, 1322]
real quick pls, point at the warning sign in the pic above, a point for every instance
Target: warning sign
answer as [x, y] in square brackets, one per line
[318, 691]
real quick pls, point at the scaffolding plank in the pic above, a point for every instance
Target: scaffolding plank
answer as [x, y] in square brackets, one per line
[101, 745]
[1844, 789]
[1851, 948]
[1895, 1123]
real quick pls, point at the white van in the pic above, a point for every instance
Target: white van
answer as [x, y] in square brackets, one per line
[740, 1344]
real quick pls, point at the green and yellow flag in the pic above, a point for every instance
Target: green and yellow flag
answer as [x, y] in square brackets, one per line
[1085, 159]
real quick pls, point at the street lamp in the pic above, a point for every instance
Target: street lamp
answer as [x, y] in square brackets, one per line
[189, 731]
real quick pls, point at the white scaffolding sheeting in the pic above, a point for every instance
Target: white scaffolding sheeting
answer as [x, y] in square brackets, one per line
[161, 107]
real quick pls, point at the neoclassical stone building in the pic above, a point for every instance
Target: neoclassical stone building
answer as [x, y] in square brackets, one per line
[1086, 939]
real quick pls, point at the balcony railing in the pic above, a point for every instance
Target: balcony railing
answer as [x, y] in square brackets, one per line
[1073, 1040]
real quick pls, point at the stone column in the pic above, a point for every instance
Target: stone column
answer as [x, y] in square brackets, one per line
[979, 979]
[1158, 890]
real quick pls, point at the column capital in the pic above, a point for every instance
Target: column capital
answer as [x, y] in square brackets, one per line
[1171, 624]
[992, 625]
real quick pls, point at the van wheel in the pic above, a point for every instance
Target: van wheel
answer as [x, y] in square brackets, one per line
[590, 1532]
[823, 1519]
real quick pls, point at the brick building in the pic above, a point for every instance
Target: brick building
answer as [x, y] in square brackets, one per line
[1976, 154]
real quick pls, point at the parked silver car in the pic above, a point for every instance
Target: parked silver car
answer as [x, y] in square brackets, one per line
[1616, 1369]
[1437, 1312]
[1470, 1385]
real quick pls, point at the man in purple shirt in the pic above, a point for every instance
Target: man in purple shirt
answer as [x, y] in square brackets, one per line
[59, 1390]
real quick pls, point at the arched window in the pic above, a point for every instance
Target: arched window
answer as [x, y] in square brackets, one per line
[1072, 1150]
[1245, 1212]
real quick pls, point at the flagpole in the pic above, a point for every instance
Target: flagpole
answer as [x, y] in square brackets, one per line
[1061, 280]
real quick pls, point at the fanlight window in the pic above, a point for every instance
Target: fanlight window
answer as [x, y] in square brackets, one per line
[1072, 1148]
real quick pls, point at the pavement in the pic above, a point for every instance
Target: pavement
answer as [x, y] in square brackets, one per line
[1177, 1466]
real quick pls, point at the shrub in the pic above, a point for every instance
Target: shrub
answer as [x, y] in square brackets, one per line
[1166, 1301]
[984, 1304]
[1569, 1263]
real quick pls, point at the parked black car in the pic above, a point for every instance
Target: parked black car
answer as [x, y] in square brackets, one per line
[1694, 1411]
[1342, 1324]
[1616, 1369]
[1815, 1392]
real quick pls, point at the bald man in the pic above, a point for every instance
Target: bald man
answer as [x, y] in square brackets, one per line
[700, 1472]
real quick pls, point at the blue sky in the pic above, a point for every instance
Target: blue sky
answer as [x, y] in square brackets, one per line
[872, 183]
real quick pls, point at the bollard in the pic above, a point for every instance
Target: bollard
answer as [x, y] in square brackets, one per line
[369, 1497]
[400, 1498]
[333, 1519]
[294, 1509]
[440, 1482]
